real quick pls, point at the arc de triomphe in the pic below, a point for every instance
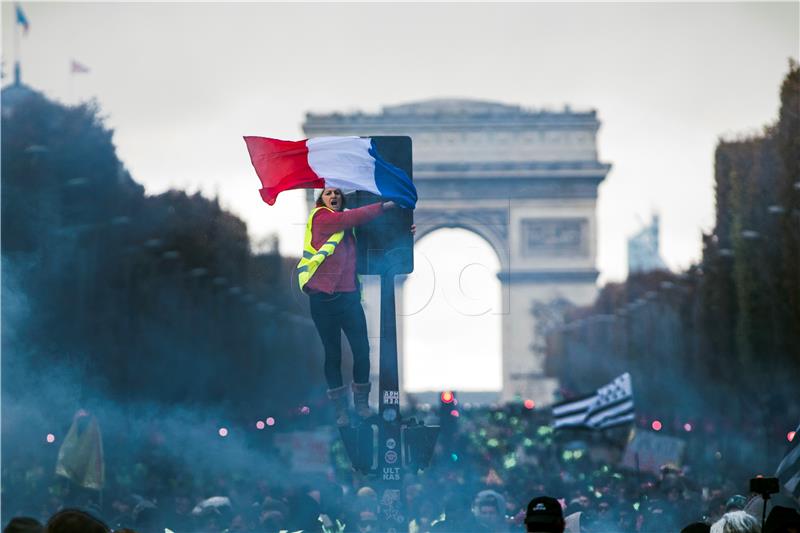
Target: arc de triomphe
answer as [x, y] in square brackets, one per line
[526, 181]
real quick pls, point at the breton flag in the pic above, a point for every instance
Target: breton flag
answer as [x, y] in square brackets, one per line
[347, 163]
[78, 68]
[789, 470]
[22, 20]
[611, 405]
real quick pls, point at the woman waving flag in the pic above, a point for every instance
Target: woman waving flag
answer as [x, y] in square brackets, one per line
[327, 270]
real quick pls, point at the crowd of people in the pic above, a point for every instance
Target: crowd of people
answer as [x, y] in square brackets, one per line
[489, 468]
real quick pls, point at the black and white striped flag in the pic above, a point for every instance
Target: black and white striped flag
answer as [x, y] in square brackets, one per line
[789, 470]
[612, 405]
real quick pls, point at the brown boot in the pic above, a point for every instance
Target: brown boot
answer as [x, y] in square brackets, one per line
[361, 399]
[339, 398]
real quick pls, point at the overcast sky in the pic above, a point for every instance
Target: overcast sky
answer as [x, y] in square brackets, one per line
[181, 83]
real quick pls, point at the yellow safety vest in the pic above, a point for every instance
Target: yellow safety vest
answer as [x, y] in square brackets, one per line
[313, 258]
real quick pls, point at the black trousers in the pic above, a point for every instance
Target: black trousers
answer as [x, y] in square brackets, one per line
[332, 314]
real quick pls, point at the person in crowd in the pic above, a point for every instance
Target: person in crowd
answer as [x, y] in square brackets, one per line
[458, 517]
[367, 498]
[489, 508]
[23, 524]
[544, 515]
[782, 520]
[146, 517]
[736, 522]
[737, 502]
[367, 522]
[75, 521]
[697, 527]
[304, 514]
[212, 514]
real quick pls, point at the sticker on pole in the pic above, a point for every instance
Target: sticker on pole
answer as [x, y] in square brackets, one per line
[391, 397]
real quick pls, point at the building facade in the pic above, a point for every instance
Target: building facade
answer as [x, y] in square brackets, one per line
[526, 181]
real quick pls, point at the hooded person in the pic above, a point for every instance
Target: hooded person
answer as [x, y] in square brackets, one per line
[489, 508]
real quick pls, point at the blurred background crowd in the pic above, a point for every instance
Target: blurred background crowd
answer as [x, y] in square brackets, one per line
[488, 464]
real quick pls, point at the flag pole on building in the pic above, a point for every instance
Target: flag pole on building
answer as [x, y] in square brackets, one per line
[16, 51]
[20, 20]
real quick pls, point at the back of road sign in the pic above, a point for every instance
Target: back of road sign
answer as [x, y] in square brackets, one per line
[385, 245]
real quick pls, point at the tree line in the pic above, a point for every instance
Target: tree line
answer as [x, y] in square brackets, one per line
[718, 344]
[156, 297]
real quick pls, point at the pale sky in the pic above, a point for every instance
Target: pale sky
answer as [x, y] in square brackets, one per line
[181, 83]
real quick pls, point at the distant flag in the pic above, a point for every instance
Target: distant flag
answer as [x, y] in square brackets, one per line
[22, 20]
[78, 68]
[347, 163]
[789, 470]
[611, 405]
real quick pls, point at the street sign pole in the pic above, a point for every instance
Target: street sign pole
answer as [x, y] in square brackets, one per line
[390, 460]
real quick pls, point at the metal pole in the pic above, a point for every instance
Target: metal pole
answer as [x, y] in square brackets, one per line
[392, 516]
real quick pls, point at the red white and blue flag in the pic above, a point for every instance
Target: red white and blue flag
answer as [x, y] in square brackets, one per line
[346, 163]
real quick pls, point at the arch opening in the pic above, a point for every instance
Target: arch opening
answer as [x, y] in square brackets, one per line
[451, 312]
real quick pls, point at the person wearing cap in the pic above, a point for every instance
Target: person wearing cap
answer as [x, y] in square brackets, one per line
[737, 502]
[544, 515]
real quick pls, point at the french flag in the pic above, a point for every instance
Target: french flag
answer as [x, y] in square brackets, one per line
[347, 163]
